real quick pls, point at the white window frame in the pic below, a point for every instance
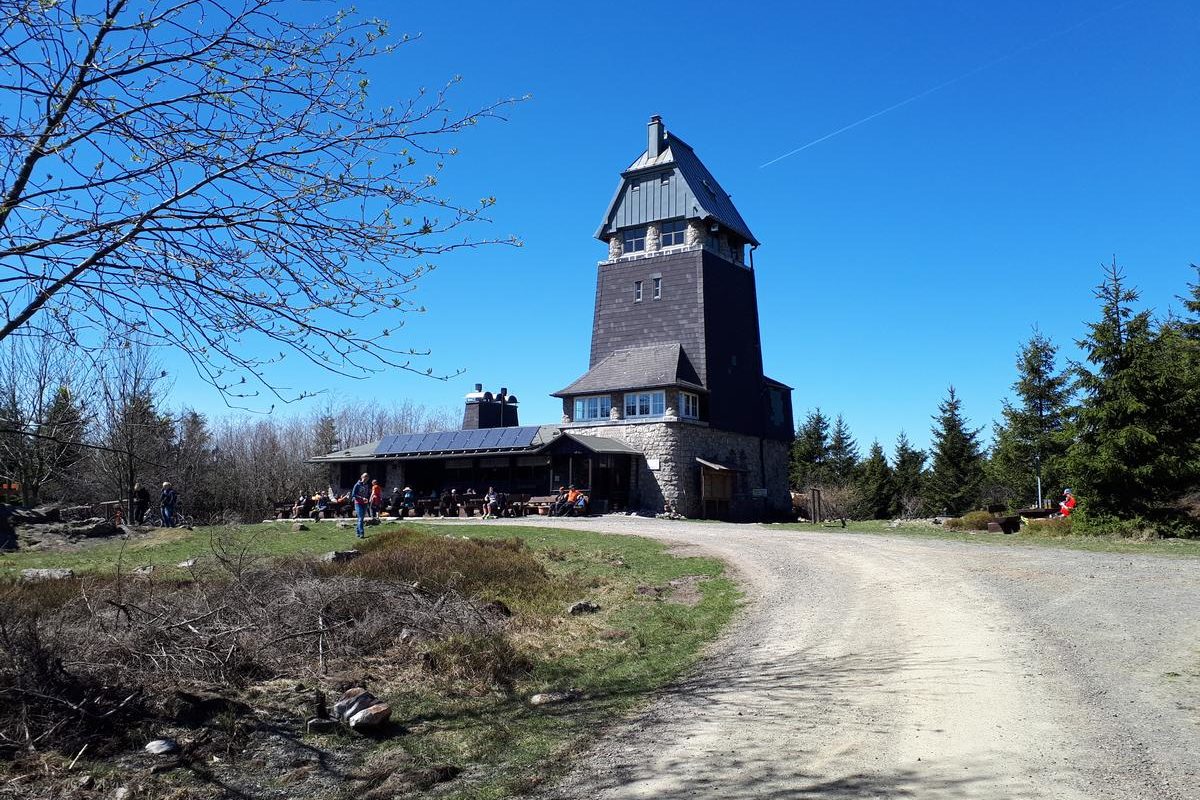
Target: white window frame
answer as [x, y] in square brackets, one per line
[593, 407]
[689, 405]
[645, 405]
[657, 290]
[637, 291]
[673, 233]
[634, 240]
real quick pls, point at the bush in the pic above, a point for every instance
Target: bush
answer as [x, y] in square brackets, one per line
[972, 521]
[1053, 526]
[473, 566]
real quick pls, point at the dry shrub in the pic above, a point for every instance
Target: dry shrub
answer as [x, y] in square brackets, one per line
[473, 566]
[476, 663]
[1053, 526]
[971, 521]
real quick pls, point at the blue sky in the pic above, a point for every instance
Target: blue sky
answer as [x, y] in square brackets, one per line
[913, 251]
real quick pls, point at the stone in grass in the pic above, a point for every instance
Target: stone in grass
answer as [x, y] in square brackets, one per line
[34, 575]
[353, 701]
[299, 526]
[122, 793]
[582, 607]
[341, 556]
[550, 698]
[370, 717]
[144, 571]
[162, 747]
[188, 564]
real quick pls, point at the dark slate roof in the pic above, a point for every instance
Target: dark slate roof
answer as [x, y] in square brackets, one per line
[603, 445]
[362, 452]
[690, 192]
[637, 368]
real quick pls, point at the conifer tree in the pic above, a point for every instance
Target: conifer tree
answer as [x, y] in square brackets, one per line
[843, 453]
[876, 492]
[1135, 450]
[810, 451]
[956, 475]
[908, 476]
[1030, 442]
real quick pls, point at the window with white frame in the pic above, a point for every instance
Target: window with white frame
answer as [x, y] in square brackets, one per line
[689, 405]
[657, 289]
[637, 291]
[592, 408]
[644, 404]
[673, 233]
[635, 240]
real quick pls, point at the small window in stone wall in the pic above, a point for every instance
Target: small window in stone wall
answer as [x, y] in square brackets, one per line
[635, 240]
[674, 233]
[689, 405]
[637, 291]
[592, 408]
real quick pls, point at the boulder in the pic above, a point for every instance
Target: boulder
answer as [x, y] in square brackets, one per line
[34, 575]
[162, 747]
[371, 717]
[299, 526]
[341, 556]
[346, 524]
[191, 562]
[144, 571]
[582, 607]
[353, 701]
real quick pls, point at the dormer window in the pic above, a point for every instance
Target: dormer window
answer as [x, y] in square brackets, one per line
[645, 404]
[674, 233]
[635, 240]
[592, 408]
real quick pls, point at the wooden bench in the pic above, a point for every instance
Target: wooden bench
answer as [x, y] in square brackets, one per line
[541, 504]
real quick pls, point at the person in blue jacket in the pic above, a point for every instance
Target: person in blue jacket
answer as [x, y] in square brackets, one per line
[361, 496]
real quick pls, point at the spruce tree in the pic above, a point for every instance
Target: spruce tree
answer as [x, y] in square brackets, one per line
[1031, 442]
[1135, 451]
[843, 453]
[876, 492]
[956, 476]
[908, 476]
[810, 451]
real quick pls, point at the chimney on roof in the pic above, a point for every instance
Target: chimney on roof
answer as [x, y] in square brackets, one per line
[486, 410]
[654, 137]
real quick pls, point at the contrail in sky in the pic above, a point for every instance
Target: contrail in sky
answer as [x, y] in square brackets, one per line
[956, 79]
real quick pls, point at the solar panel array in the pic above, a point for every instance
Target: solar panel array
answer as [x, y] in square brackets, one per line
[457, 441]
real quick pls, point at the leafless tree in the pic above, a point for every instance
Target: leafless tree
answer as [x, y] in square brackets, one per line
[212, 175]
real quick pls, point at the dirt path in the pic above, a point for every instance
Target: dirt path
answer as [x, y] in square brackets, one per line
[867, 666]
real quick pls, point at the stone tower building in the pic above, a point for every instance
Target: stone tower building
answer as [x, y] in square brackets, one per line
[675, 366]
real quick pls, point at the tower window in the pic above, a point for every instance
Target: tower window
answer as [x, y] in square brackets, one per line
[689, 405]
[592, 408]
[657, 289]
[645, 404]
[637, 291]
[635, 240]
[674, 233]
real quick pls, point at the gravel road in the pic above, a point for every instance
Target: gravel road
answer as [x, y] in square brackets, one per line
[883, 667]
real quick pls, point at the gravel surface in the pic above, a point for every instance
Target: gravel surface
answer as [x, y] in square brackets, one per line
[871, 666]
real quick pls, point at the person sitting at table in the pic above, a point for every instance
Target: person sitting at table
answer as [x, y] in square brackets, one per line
[491, 504]
[580, 507]
[408, 502]
[320, 506]
[569, 501]
[450, 504]
[560, 505]
[303, 506]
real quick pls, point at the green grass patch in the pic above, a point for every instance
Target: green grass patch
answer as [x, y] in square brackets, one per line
[1187, 548]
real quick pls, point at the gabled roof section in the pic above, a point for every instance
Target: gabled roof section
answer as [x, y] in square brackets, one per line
[637, 368]
[671, 184]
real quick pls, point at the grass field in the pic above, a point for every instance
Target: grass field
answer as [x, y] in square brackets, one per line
[503, 746]
[1099, 544]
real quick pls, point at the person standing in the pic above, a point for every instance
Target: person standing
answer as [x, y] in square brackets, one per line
[1067, 504]
[361, 495]
[167, 503]
[376, 499]
[141, 502]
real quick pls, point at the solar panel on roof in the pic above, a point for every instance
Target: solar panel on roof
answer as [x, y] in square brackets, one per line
[398, 444]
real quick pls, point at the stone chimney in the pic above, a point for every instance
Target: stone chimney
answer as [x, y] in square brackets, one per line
[654, 137]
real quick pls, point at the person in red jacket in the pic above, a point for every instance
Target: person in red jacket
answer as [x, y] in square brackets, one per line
[1067, 504]
[376, 499]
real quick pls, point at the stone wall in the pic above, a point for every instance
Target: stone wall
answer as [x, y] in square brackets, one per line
[669, 470]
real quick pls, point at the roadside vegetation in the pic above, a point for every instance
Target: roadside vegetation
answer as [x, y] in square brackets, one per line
[455, 627]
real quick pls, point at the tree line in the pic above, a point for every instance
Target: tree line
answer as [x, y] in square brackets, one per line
[79, 430]
[1121, 428]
